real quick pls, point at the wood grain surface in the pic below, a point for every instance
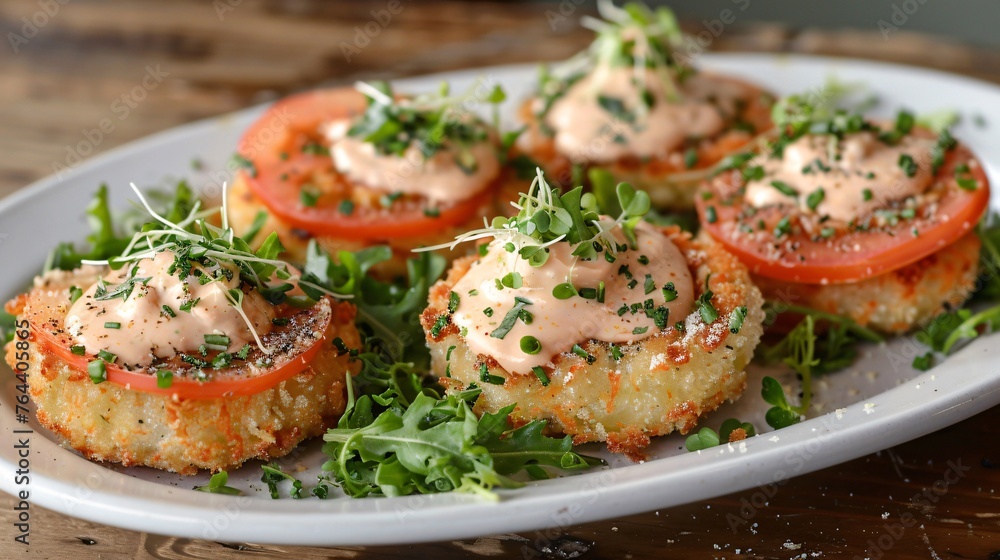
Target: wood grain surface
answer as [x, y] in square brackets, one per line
[81, 62]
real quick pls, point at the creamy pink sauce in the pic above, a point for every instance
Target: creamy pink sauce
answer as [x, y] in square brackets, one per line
[439, 178]
[559, 324]
[584, 130]
[865, 164]
[147, 332]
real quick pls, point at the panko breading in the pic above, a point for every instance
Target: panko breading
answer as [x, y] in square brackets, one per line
[661, 384]
[894, 302]
[109, 422]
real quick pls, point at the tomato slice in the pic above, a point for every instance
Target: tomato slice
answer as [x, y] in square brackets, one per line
[286, 149]
[45, 310]
[850, 255]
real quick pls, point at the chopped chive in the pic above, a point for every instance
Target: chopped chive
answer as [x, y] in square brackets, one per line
[164, 378]
[660, 316]
[541, 375]
[600, 292]
[530, 345]
[78, 349]
[488, 311]
[346, 207]
[640, 330]
[107, 356]
[649, 285]
[453, 302]
[217, 341]
[473, 292]
[907, 164]
[221, 360]
[447, 355]
[432, 212]
[643, 259]
[97, 371]
[616, 352]
[705, 307]
[815, 198]
[280, 321]
[784, 188]
[168, 311]
[736, 319]
[827, 232]
[669, 292]
[866, 195]
[486, 377]
[710, 215]
[690, 158]
[440, 323]
[579, 351]
[510, 318]
[967, 184]
[338, 343]
[112, 325]
[783, 227]
[588, 293]
[308, 196]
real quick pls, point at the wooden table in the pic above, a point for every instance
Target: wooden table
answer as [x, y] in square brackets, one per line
[84, 62]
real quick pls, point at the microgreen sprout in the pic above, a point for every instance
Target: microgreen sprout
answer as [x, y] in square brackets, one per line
[211, 252]
[546, 217]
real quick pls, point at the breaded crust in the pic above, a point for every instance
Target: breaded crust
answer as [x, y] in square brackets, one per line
[108, 422]
[671, 184]
[243, 206]
[895, 302]
[661, 384]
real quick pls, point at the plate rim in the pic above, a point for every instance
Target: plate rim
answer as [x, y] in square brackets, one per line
[525, 512]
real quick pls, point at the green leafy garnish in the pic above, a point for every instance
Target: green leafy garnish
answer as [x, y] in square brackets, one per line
[545, 217]
[388, 311]
[707, 437]
[273, 475]
[429, 122]
[217, 485]
[807, 353]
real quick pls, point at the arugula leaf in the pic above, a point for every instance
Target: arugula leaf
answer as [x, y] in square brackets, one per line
[515, 450]
[398, 437]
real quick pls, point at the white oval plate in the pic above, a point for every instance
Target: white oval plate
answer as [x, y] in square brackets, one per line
[877, 403]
